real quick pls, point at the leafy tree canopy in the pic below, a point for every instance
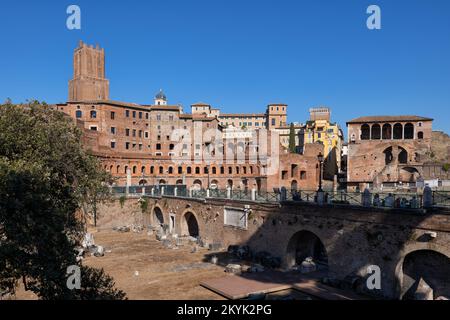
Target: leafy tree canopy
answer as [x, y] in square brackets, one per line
[45, 178]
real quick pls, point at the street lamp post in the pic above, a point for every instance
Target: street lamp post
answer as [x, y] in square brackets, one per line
[320, 194]
[320, 158]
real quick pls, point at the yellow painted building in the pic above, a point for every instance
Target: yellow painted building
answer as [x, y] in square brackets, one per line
[319, 129]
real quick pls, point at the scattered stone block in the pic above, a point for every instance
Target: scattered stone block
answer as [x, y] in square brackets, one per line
[214, 260]
[99, 251]
[233, 269]
[424, 291]
[88, 240]
[308, 266]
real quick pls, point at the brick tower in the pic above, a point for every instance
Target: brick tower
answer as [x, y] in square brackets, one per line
[89, 82]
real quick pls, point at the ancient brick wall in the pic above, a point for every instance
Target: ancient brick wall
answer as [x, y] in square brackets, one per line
[354, 238]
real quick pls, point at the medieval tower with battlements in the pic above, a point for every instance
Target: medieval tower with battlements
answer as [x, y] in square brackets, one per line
[89, 82]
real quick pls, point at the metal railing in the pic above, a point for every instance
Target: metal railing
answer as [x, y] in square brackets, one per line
[381, 200]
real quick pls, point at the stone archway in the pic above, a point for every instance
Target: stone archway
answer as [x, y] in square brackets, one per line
[423, 266]
[305, 244]
[158, 216]
[189, 225]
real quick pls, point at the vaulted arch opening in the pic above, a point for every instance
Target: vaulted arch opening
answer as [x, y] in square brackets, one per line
[424, 267]
[305, 244]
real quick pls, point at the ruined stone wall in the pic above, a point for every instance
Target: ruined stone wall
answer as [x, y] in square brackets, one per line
[354, 238]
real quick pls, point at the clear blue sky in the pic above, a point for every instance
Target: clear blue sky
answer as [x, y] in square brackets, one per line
[240, 55]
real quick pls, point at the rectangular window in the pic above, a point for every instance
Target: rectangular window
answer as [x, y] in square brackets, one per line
[140, 133]
[140, 146]
[113, 115]
[127, 132]
[127, 113]
[113, 144]
[134, 114]
[134, 132]
[146, 115]
[235, 218]
[113, 130]
[127, 145]
[158, 146]
[146, 135]
[170, 118]
[93, 128]
[158, 117]
[140, 115]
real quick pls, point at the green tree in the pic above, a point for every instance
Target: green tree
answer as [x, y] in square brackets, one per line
[292, 144]
[45, 178]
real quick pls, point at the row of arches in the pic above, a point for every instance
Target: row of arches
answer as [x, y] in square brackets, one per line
[389, 132]
[189, 225]
[190, 170]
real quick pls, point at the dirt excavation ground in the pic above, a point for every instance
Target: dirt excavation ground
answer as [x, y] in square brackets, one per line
[145, 269]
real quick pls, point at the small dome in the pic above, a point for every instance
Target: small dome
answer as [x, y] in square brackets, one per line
[161, 96]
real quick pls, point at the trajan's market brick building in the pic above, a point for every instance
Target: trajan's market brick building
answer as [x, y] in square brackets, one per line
[160, 144]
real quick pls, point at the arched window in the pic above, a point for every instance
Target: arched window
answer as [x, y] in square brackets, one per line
[388, 155]
[237, 170]
[230, 170]
[134, 169]
[161, 170]
[197, 170]
[118, 169]
[79, 114]
[180, 170]
[143, 169]
[93, 114]
[402, 156]
[170, 170]
[214, 170]
[189, 170]
[365, 132]
[409, 131]
[398, 131]
[420, 135]
[376, 132]
[387, 132]
[222, 170]
[126, 170]
[244, 170]
[152, 170]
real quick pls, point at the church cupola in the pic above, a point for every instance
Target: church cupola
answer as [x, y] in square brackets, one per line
[160, 98]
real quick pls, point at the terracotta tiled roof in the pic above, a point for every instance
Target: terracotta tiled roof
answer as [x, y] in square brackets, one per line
[389, 119]
[201, 104]
[223, 115]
